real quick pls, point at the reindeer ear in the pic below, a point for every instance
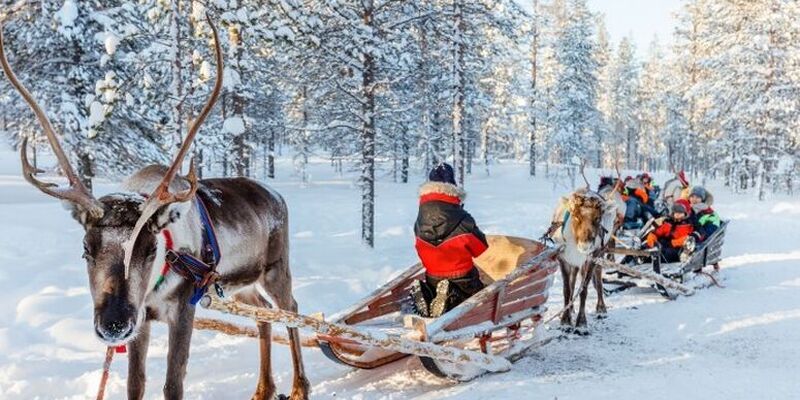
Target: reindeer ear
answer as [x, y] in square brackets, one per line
[80, 214]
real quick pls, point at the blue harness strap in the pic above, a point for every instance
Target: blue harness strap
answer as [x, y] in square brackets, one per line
[200, 272]
[564, 222]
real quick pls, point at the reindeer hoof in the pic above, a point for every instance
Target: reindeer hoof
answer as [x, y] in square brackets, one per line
[581, 331]
[300, 389]
[581, 322]
[299, 395]
[262, 394]
[601, 311]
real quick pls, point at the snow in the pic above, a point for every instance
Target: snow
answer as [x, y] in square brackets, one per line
[233, 126]
[68, 13]
[111, 42]
[740, 342]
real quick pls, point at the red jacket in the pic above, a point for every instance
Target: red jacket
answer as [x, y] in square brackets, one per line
[447, 238]
[673, 231]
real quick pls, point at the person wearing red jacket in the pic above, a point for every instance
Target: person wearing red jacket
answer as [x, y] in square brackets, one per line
[673, 232]
[447, 239]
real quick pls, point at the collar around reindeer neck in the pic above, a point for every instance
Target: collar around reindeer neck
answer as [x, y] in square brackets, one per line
[201, 272]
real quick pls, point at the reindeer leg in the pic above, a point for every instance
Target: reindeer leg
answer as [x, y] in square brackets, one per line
[280, 289]
[598, 287]
[586, 271]
[137, 357]
[180, 338]
[566, 316]
[266, 385]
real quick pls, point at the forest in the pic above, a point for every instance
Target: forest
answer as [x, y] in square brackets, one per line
[389, 88]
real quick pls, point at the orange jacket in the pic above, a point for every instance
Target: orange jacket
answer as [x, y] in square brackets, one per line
[674, 231]
[640, 193]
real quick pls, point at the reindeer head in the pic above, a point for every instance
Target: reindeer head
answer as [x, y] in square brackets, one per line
[586, 211]
[120, 229]
[118, 299]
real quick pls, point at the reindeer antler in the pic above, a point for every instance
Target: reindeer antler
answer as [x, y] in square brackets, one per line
[583, 166]
[76, 192]
[619, 184]
[161, 196]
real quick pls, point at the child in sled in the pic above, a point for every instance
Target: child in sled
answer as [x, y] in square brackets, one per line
[706, 220]
[638, 209]
[447, 239]
[675, 233]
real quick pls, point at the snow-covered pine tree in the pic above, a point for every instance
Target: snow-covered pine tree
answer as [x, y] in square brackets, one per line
[624, 83]
[651, 110]
[575, 116]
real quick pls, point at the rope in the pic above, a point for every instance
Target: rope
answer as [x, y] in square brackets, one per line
[713, 279]
[584, 286]
[106, 368]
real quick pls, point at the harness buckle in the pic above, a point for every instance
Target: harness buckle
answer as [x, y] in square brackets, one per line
[171, 257]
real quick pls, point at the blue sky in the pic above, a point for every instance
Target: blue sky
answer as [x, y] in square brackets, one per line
[639, 18]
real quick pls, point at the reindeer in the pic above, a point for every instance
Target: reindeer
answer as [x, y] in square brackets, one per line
[125, 240]
[583, 223]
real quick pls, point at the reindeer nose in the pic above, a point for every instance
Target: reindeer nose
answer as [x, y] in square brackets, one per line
[115, 330]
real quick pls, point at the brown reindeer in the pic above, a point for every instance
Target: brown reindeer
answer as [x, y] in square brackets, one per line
[584, 222]
[251, 225]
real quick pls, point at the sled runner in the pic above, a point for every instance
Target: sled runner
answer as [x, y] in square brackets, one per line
[671, 279]
[485, 333]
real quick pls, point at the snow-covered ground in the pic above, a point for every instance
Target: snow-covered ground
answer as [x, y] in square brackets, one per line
[741, 342]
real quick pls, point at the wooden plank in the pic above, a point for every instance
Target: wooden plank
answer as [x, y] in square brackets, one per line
[472, 331]
[498, 305]
[371, 338]
[520, 305]
[631, 252]
[528, 289]
[657, 278]
[483, 312]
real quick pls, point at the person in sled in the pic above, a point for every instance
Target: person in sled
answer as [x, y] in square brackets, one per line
[638, 208]
[447, 239]
[706, 220]
[674, 234]
[652, 190]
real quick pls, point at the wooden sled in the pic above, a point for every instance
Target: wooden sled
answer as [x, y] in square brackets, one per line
[494, 322]
[670, 280]
[485, 333]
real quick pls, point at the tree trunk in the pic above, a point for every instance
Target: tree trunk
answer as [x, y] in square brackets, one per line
[404, 163]
[240, 147]
[271, 154]
[368, 137]
[459, 75]
[534, 72]
[177, 74]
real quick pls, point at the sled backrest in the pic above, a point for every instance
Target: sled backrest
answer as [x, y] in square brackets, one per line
[709, 252]
[505, 254]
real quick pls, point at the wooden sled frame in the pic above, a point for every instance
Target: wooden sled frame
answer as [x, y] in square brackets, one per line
[671, 282]
[512, 303]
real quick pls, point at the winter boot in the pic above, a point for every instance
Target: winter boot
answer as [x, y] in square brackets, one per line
[439, 303]
[418, 299]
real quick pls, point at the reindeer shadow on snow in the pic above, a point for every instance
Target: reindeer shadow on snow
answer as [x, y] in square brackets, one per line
[584, 224]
